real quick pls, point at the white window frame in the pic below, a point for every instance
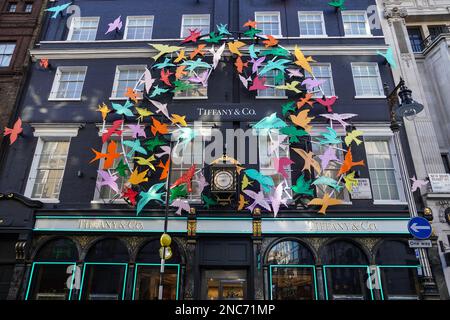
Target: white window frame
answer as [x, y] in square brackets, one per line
[12, 54]
[333, 92]
[48, 133]
[380, 84]
[357, 12]
[57, 79]
[138, 17]
[384, 133]
[284, 96]
[324, 30]
[184, 78]
[277, 13]
[119, 69]
[72, 25]
[201, 16]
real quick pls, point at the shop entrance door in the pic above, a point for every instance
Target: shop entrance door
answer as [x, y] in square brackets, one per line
[224, 284]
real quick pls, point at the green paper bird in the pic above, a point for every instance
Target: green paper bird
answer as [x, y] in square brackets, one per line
[192, 65]
[182, 86]
[213, 38]
[208, 201]
[338, 4]
[223, 30]
[158, 91]
[288, 106]
[252, 32]
[328, 182]
[178, 192]
[278, 52]
[279, 79]
[303, 187]
[122, 169]
[293, 133]
[151, 144]
[275, 65]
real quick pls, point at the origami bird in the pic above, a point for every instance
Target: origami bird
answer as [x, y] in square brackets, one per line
[182, 86]
[114, 129]
[223, 30]
[161, 108]
[180, 72]
[178, 192]
[201, 183]
[291, 86]
[281, 164]
[164, 77]
[252, 32]
[217, 55]
[164, 49]
[276, 199]
[338, 4]
[151, 194]
[181, 120]
[389, 56]
[158, 91]
[130, 194]
[240, 64]
[198, 51]
[147, 81]
[123, 109]
[142, 112]
[270, 42]
[306, 100]
[353, 136]
[311, 83]
[330, 137]
[301, 60]
[250, 24]
[327, 156]
[132, 95]
[235, 46]
[324, 202]
[208, 202]
[258, 200]
[270, 122]
[339, 117]
[244, 80]
[181, 55]
[258, 84]
[184, 135]
[148, 162]
[14, 131]
[253, 51]
[165, 64]
[213, 38]
[323, 180]
[192, 65]
[181, 205]
[44, 63]
[303, 187]
[193, 36]
[417, 184]
[277, 52]
[278, 143]
[348, 163]
[309, 161]
[302, 120]
[350, 181]
[106, 179]
[166, 151]
[165, 167]
[104, 110]
[294, 133]
[266, 182]
[327, 103]
[279, 64]
[202, 78]
[151, 144]
[115, 25]
[159, 127]
[287, 107]
[185, 178]
[122, 169]
[245, 182]
[109, 156]
[256, 63]
[58, 9]
[135, 146]
[294, 73]
[242, 202]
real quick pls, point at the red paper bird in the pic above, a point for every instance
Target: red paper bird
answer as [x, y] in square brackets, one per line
[197, 51]
[186, 178]
[348, 163]
[132, 95]
[14, 132]
[258, 84]
[112, 130]
[250, 24]
[270, 42]
[110, 156]
[240, 64]
[328, 103]
[159, 127]
[193, 36]
[165, 168]
[130, 194]
[44, 63]
[165, 77]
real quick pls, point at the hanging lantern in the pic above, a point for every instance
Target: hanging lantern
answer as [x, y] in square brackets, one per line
[165, 240]
[168, 253]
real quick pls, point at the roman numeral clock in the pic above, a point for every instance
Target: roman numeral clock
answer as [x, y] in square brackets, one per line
[224, 183]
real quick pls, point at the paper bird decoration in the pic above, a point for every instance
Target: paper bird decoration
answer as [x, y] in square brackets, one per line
[181, 205]
[277, 52]
[166, 151]
[278, 143]
[279, 64]
[330, 137]
[258, 84]
[181, 55]
[325, 202]
[178, 192]
[186, 178]
[311, 83]
[165, 64]
[104, 110]
[217, 55]
[159, 127]
[213, 38]
[309, 161]
[137, 177]
[242, 202]
[201, 183]
[223, 30]
[294, 73]
[58, 9]
[245, 182]
[250, 24]
[192, 65]
[44, 63]
[109, 156]
[270, 122]
[122, 169]
[182, 86]
[301, 60]
[181, 120]
[417, 184]
[135, 146]
[258, 200]
[164, 77]
[161, 108]
[202, 78]
[257, 63]
[235, 46]
[353, 136]
[303, 187]
[114, 129]
[164, 49]
[151, 194]
[180, 72]
[302, 120]
[266, 182]
[193, 36]
[115, 25]
[208, 202]
[165, 167]
[323, 180]
[137, 130]
[305, 100]
[348, 163]
[123, 109]
[198, 51]
[327, 103]
[389, 56]
[253, 51]
[147, 81]
[184, 135]
[151, 144]
[287, 107]
[244, 80]
[276, 199]
[270, 42]
[132, 95]
[14, 132]
[294, 133]
[350, 181]
[281, 164]
[328, 156]
[338, 4]
[291, 86]
[252, 32]
[339, 117]
[240, 64]
[146, 161]
[108, 180]
[130, 194]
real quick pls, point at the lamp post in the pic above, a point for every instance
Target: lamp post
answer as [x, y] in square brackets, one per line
[408, 108]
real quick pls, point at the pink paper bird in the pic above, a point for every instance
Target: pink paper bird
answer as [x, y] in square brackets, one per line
[244, 80]
[166, 150]
[294, 73]
[281, 164]
[107, 180]
[417, 184]
[327, 156]
[277, 199]
[202, 78]
[312, 83]
[258, 84]
[339, 117]
[148, 80]
[259, 200]
[116, 25]
[181, 205]
[201, 183]
[137, 131]
[14, 131]
[257, 63]
[161, 107]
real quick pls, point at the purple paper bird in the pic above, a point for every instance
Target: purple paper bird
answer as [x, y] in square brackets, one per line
[417, 184]
[294, 73]
[202, 78]
[277, 199]
[107, 180]
[257, 63]
[312, 83]
[327, 156]
[137, 130]
[181, 205]
[165, 149]
[116, 25]
[202, 183]
[339, 117]
[258, 198]
[281, 164]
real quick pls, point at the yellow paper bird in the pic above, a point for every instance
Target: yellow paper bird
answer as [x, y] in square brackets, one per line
[176, 118]
[234, 47]
[143, 113]
[245, 182]
[325, 202]
[302, 120]
[103, 108]
[308, 159]
[242, 202]
[146, 161]
[292, 86]
[180, 56]
[163, 49]
[301, 61]
[350, 181]
[239, 169]
[137, 178]
[353, 136]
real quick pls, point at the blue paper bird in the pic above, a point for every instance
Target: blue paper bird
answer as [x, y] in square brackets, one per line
[266, 182]
[328, 182]
[331, 137]
[123, 109]
[157, 91]
[192, 65]
[135, 147]
[270, 122]
[151, 194]
[274, 65]
[223, 30]
[164, 64]
[58, 9]
[389, 56]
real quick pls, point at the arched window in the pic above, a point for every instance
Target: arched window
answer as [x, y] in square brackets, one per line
[148, 263]
[292, 273]
[53, 273]
[346, 270]
[397, 265]
[105, 270]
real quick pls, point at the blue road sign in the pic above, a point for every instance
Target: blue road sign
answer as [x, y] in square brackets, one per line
[419, 228]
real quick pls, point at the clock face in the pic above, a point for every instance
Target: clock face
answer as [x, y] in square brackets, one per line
[223, 180]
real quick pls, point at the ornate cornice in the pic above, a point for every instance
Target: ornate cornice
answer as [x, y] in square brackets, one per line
[22, 199]
[395, 13]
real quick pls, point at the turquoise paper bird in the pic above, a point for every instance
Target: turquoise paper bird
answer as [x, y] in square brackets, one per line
[135, 147]
[164, 64]
[192, 65]
[223, 30]
[252, 32]
[123, 109]
[213, 38]
[151, 194]
[253, 52]
[303, 187]
[328, 182]
[288, 106]
[389, 56]
[58, 9]
[274, 65]
[331, 137]
[294, 133]
[278, 51]
[157, 91]
[338, 4]
[270, 122]
[185, 135]
[266, 182]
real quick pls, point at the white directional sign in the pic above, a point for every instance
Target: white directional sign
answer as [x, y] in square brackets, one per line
[420, 243]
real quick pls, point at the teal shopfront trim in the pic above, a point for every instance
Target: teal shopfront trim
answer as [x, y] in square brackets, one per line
[313, 267]
[156, 265]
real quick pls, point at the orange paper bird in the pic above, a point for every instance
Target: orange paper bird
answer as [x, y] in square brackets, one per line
[242, 202]
[165, 168]
[197, 51]
[325, 202]
[240, 64]
[176, 118]
[301, 60]
[302, 120]
[180, 73]
[14, 132]
[44, 63]
[180, 56]
[110, 156]
[234, 47]
[159, 127]
[305, 100]
[131, 94]
[270, 42]
[250, 24]
[348, 163]
[137, 178]
[165, 77]
[309, 160]
[104, 110]
[185, 178]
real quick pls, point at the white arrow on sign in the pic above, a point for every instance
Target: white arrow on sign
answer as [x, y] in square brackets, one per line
[414, 227]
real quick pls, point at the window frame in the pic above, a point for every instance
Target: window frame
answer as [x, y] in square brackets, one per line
[281, 97]
[197, 85]
[200, 15]
[156, 265]
[125, 33]
[12, 4]
[72, 28]
[119, 69]
[330, 69]
[382, 276]
[379, 81]
[57, 82]
[366, 21]
[28, 5]
[277, 13]
[11, 60]
[329, 295]
[296, 266]
[324, 29]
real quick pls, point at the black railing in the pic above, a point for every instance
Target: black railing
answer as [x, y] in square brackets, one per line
[428, 41]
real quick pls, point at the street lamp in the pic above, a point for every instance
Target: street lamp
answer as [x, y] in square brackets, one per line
[407, 108]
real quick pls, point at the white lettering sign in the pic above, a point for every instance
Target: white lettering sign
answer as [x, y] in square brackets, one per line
[440, 182]
[362, 190]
